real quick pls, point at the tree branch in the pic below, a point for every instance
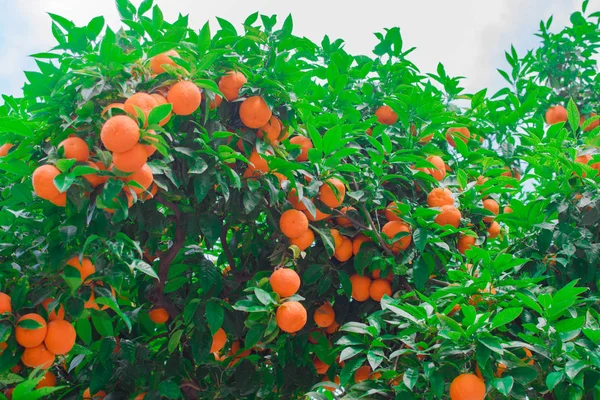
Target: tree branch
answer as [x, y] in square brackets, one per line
[226, 248]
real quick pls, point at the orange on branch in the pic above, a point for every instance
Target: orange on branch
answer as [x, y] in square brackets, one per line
[453, 134]
[439, 197]
[76, 148]
[305, 241]
[362, 374]
[392, 212]
[291, 316]
[464, 243]
[360, 287]
[142, 176]
[131, 160]
[120, 133]
[85, 267]
[143, 101]
[31, 337]
[271, 130]
[38, 356]
[493, 230]
[5, 148]
[61, 337]
[285, 282]
[385, 115]
[555, 115]
[5, 303]
[345, 222]
[358, 241]
[43, 181]
[332, 192]
[159, 315]
[439, 172]
[492, 206]
[254, 112]
[57, 313]
[344, 251]
[295, 200]
[320, 366]
[160, 100]
[293, 223]
[231, 84]
[319, 215]
[218, 341]
[324, 315]
[305, 145]
[467, 387]
[391, 229]
[48, 380]
[185, 97]
[157, 62]
[449, 215]
[378, 288]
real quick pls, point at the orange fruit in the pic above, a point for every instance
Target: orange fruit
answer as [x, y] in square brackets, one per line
[391, 229]
[493, 230]
[231, 84]
[140, 396]
[457, 133]
[213, 103]
[467, 387]
[591, 126]
[285, 282]
[38, 356]
[507, 210]
[160, 100]
[358, 241]
[454, 310]
[31, 337]
[143, 176]
[343, 252]
[439, 197]
[132, 159]
[449, 215]
[362, 374]
[490, 205]
[218, 341]
[318, 217]
[60, 200]
[392, 213]
[293, 223]
[5, 148]
[57, 313]
[157, 62]
[43, 181]
[336, 380]
[97, 396]
[91, 302]
[464, 243]
[257, 163]
[324, 315]
[528, 356]
[337, 238]
[305, 145]
[291, 316]
[376, 274]
[8, 393]
[119, 106]
[143, 101]
[61, 337]
[439, 172]
[331, 329]
[120, 133]
[305, 241]
[330, 197]
[48, 380]
[185, 97]
[360, 287]
[271, 130]
[378, 288]
[76, 148]
[320, 366]
[93, 179]
[85, 268]
[344, 222]
[254, 112]
[149, 148]
[583, 159]
[295, 200]
[5, 305]
[385, 115]
[159, 315]
[556, 114]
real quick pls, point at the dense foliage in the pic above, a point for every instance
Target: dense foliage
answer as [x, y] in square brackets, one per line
[449, 233]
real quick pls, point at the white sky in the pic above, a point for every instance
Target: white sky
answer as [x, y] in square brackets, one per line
[468, 36]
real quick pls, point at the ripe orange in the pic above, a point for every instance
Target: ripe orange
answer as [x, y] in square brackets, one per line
[295, 200]
[449, 215]
[493, 230]
[490, 205]
[360, 287]
[213, 103]
[254, 112]
[391, 229]
[157, 62]
[528, 356]
[467, 387]
[305, 145]
[48, 380]
[38, 356]
[324, 315]
[331, 329]
[293, 223]
[31, 337]
[120, 133]
[392, 213]
[285, 282]
[330, 197]
[507, 210]
[344, 222]
[231, 84]
[305, 241]
[97, 396]
[5, 148]
[61, 337]
[271, 130]
[143, 176]
[457, 133]
[320, 366]
[60, 200]
[337, 238]
[344, 251]
[218, 341]
[362, 374]
[160, 100]
[385, 115]
[43, 181]
[378, 288]
[583, 159]
[132, 159]
[5, 306]
[336, 380]
[318, 217]
[258, 164]
[76, 148]
[57, 313]
[439, 197]
[556, 114]
[159, 315]
[85, 268]
[185, 97]
[140, 396]
[119, 106]
[358, 241]
[9, 392]
[291, 316]
[143, 101]
[93, 179]
[591, 126]
[439, 172]
[464, 243]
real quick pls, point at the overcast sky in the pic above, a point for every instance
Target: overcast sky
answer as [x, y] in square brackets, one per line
[468, 36]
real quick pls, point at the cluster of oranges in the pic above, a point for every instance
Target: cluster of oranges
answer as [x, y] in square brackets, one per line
[291, 316]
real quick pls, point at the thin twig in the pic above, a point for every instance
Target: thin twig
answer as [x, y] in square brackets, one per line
[226, 249]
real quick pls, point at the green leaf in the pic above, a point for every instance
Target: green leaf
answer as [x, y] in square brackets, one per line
[159, 113]
[506, 316]
[254, 334]
[94, 27]
[174, 340]
[144, 7]
[492, 343]
[263, 296]
[573, 115]
[214, 316]
[327, 240]
[112, 304]
[553, 379]
[169, 389]
[143, 267]
[84, 330]
[504, 385]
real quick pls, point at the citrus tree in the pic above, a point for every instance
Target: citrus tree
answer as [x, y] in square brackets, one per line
[196, 214]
